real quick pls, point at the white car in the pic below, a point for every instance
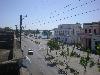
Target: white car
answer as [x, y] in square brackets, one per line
[30, 52]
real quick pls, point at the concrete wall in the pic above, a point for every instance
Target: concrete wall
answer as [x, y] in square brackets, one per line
[9, 68]
[4, 54]
[6, 44]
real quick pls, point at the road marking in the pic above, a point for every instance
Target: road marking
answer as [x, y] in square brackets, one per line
[28, 59]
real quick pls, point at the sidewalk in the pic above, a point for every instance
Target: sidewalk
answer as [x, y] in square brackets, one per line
[17, 54]
[73, 62]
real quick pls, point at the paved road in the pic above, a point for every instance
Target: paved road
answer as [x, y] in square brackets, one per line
[38, 65]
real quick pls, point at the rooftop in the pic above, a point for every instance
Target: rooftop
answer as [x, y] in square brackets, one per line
[93, 23]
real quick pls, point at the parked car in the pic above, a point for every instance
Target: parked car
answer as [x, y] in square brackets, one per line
[78, 48]
[30, 52]
[51, 64]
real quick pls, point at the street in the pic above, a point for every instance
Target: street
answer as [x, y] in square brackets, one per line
[37, 65]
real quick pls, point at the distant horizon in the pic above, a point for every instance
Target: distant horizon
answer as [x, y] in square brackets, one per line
[53, 28]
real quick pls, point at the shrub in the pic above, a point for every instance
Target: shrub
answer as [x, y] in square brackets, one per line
[91, 63]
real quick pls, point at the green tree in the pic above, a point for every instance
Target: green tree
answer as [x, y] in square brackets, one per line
[98, 52]
[33, 32]
[88, 53]
[67, 50]
[49, 33]
[46, 33]
[37, 32]
[53, 45]
[83, 62]
[62, 53]
[8, 29]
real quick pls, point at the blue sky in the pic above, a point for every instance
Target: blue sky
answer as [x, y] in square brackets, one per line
[48, 14]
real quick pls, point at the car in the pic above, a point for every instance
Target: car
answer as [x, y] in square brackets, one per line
[24, 46]
[35, 37]
[78, 48]
[51, 64]
[30, 52]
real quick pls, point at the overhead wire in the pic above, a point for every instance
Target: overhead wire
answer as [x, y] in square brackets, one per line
[63, 12]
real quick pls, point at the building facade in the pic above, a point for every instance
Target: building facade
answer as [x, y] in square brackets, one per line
[67, 33]
[91, 35]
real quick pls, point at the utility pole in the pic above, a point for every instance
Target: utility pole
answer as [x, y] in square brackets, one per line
[16, 31]
[21, 19]
[20, 28]
[16, 27]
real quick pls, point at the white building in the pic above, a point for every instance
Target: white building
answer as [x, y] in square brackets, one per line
[68, 33]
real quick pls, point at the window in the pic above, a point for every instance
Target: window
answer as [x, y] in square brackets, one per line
[59, 32]
[68, 32]
[73, 31]
[60, 26]
[89, 30]
[63, 31]
[59, 38]
[85, 30]
[94, 31]
[65, 39]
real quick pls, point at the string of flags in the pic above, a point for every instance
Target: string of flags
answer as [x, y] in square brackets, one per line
[53, 17]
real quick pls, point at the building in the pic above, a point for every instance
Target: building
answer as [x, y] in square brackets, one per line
[6, 40]
[10, 55]
[91, 35]
[68, 33]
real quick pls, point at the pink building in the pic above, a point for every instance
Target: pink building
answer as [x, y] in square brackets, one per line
[90, 35]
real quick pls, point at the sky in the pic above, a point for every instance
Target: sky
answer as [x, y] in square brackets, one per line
[48, 14]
